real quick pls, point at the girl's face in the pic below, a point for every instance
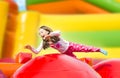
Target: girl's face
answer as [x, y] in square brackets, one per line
[43, 33]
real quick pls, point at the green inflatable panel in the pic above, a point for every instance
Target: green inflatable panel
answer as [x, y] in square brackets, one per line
[93, 38]
[109, 5]
[31, 2]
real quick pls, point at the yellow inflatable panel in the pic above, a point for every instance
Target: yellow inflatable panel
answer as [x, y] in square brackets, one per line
[112, 53]
[92, 22]
[28, 23]
[26, 31]
[3, 21]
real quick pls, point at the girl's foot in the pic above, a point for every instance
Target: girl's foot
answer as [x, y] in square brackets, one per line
[103, 51]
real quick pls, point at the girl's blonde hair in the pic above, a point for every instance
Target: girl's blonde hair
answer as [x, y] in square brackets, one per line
[54, 39]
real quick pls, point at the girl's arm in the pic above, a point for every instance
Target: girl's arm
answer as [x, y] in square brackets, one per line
[36, 51]
[55, 33]
[40, 47]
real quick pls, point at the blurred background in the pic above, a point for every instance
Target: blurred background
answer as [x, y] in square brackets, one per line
[90, 22]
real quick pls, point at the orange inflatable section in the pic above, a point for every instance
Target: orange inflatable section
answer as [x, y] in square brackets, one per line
[3, 20]
[85, 7]
[66, 7]
[9, 68]
[8, 43]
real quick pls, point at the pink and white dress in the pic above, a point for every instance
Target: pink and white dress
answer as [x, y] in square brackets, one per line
[68, 48]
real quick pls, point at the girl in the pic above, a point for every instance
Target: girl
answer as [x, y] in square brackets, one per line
[52, 39]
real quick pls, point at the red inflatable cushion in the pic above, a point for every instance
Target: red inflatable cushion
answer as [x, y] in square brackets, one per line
[55, 66]
[108, 68]
[23, 57]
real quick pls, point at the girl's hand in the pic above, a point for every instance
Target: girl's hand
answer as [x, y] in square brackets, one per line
[28, 47]
[50, 42]
[31, 48]
[47, 37]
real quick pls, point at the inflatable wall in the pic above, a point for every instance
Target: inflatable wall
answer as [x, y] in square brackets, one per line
[102, 32]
